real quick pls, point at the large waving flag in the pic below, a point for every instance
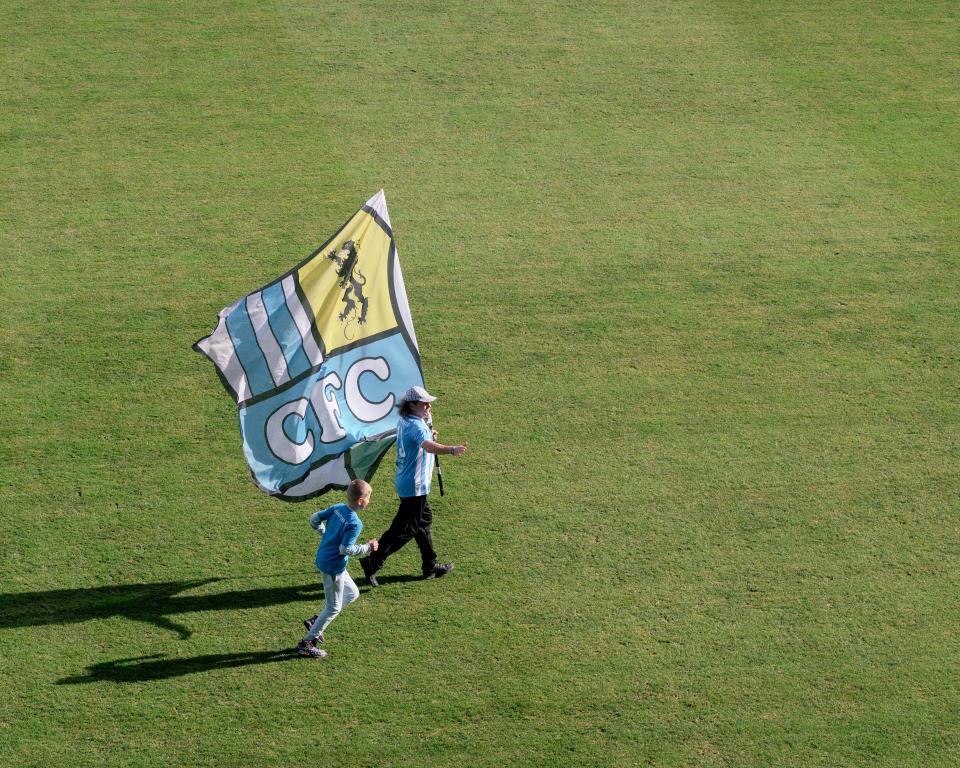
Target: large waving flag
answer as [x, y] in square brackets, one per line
[317, 360]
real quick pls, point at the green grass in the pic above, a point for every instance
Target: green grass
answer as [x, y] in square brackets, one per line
[684, 274]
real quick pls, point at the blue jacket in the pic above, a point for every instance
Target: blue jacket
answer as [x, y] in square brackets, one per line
[340, 527]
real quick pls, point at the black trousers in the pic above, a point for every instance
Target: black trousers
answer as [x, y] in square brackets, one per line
[412, 521]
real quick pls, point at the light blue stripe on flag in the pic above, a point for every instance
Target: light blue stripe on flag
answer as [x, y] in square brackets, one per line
[272, 354]
[281, 321]
[302, 320]
[251, 357]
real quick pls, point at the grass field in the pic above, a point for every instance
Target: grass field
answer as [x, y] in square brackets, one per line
[684, 273]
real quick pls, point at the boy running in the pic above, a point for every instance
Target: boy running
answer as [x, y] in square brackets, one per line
[340, 526]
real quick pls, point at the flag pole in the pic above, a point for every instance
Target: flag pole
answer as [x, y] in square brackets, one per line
[436, 461]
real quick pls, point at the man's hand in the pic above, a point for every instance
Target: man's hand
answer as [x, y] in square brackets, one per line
[374, 545]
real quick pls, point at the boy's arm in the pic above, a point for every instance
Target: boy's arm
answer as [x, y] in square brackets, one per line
[349, 546]
[317, 520]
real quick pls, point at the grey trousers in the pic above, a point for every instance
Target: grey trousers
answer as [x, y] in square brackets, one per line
[339, 590]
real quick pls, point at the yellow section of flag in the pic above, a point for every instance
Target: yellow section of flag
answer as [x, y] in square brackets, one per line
[348, 286]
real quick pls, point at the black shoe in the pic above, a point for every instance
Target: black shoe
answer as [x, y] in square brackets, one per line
[310, 651]
[309, 623]
[368, 572]
[438, 570]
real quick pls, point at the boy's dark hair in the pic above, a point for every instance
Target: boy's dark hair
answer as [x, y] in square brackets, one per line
[405, 409]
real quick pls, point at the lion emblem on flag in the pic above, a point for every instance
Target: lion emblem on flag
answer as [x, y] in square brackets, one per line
[352, 281]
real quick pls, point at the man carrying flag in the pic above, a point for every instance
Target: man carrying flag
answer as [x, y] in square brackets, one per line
[317, 359]
[416, 448]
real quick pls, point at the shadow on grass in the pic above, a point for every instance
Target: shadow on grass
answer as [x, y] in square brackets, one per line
[140, 669]
[383, 580]
[150, 603]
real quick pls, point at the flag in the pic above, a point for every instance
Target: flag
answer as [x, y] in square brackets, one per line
[318, 359]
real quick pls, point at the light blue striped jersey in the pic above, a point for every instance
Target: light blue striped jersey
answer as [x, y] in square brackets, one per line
[414, 465]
